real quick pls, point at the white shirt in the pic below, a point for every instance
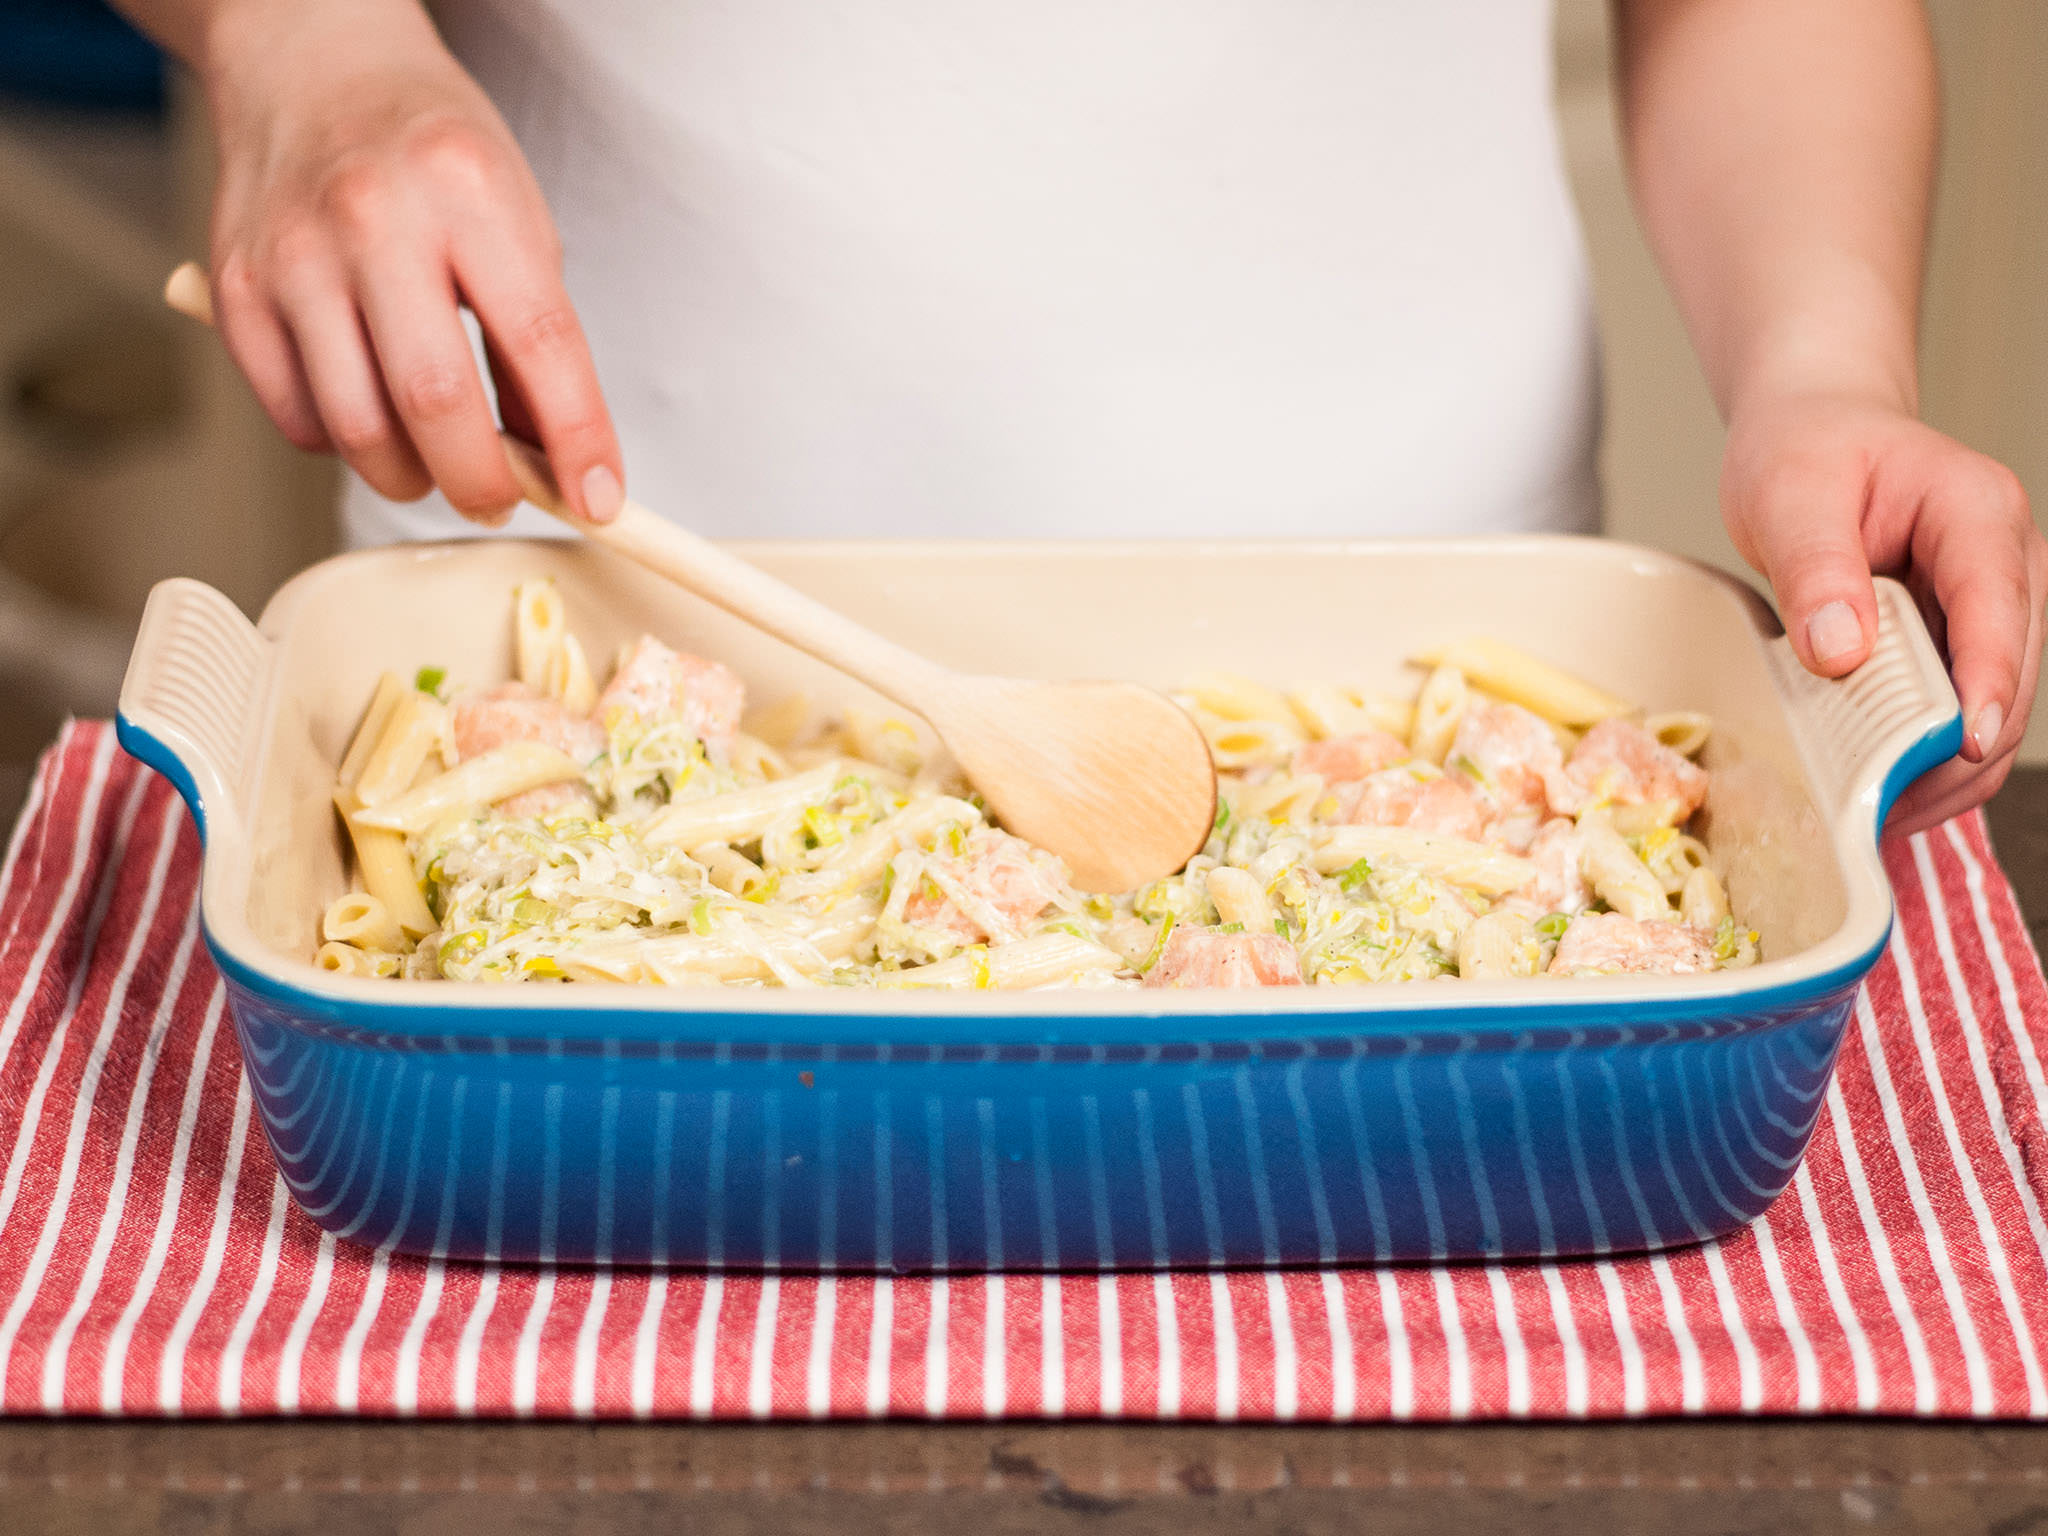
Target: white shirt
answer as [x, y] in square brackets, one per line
[1131, 268]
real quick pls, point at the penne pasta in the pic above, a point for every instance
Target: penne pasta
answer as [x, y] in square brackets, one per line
[1704, 900]
[376, 719]
[385, 866]
[1684, 731]
[1438, 710]
[733, 872]
[1395, 716]
[569, 677]
[1513, 674]
[1247, 743]
[1283, 797]
[884, 739]
[1325, 711]
[1616, 875]
[1239, 898]
[362, 920]
[1047, 960]
[1641, 820]
[863, 857]
[410, 737]
[539, 625]
[724, 955]
[1228, 696]
[1497, 945]
[347, 960]
[1477, 866]
[740, 815]
[494, 775]
[1672, 857]
[750, 756]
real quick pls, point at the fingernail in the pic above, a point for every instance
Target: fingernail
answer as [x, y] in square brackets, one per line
[1990, 721]
[602, 497]
[1834, 632]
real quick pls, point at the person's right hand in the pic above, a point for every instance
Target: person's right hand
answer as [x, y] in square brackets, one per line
[367, 189]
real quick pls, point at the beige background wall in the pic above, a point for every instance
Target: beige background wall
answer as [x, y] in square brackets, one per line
[164, 465]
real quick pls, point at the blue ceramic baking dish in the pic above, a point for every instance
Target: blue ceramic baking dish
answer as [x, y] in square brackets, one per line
[763, 1130]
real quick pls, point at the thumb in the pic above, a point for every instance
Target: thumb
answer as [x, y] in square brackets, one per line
[1808, 541]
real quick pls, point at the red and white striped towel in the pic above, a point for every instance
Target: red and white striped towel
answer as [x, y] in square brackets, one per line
[151, 1263]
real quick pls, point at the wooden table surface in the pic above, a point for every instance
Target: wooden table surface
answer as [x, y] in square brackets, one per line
[1670, 1479]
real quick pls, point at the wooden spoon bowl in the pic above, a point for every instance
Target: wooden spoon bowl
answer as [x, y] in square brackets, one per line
[1114, 778]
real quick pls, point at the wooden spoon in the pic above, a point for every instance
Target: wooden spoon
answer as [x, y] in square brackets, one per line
[1112, 777]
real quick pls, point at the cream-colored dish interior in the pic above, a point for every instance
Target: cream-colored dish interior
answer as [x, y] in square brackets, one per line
[1658, 630]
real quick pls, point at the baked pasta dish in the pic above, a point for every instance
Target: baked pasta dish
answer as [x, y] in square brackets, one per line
[1507, 820]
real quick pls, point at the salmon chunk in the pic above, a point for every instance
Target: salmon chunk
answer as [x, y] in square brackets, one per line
[1443, 804]
[1624, 763]
[1558, 884]
[516, 712]
[1001, 882]
[1606, 943]
[1194, 958]
[1513, 756]
[1348, 759]
[654, 681]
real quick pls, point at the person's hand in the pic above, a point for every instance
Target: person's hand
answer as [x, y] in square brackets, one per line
[367, 190]
[1819, 491]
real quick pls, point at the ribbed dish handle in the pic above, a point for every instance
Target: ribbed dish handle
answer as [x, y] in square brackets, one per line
[1870, 734]
[192, 700]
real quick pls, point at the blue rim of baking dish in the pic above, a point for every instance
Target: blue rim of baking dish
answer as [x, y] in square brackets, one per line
[359, 1017]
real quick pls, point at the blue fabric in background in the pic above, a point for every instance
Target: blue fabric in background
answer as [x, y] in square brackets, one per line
[77, 53]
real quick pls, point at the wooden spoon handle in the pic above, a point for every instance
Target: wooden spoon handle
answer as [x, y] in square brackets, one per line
[691, 562]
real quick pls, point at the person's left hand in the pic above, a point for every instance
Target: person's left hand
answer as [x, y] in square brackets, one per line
[1819, 491]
